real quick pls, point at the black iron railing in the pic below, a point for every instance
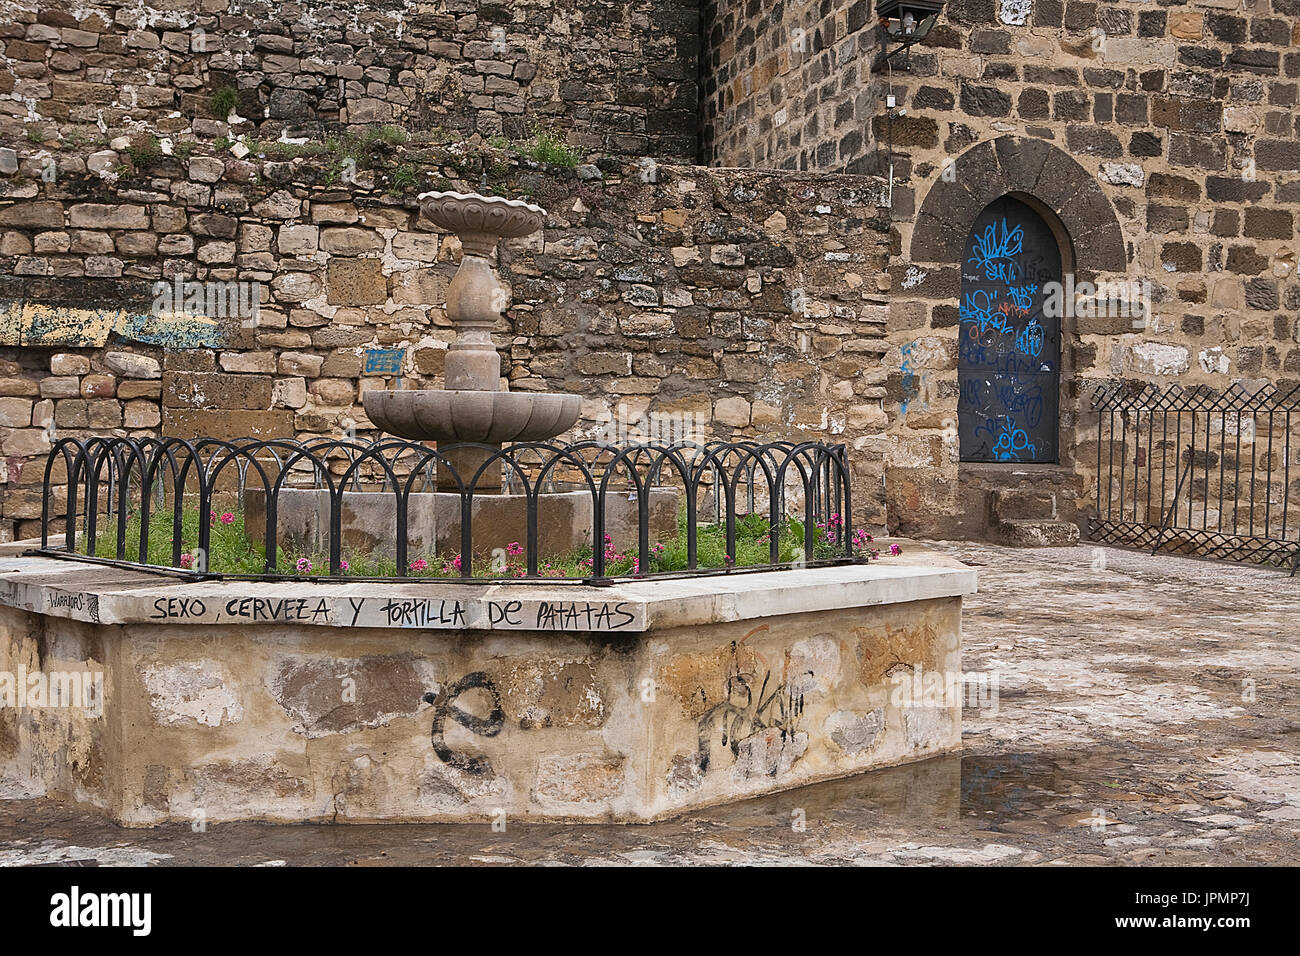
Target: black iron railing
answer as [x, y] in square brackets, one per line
[1200, 472]
[161, 505]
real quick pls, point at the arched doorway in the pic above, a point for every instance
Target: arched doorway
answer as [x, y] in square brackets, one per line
[1009, 358]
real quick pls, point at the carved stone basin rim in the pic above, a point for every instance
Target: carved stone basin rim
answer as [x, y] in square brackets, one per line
[490, 200]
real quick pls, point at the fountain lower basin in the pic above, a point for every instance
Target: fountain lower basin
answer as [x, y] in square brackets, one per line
[492, 418]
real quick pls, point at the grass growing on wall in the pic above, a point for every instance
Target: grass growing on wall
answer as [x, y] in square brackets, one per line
[224, 101]
[356, 146]
[546, 147]
[232, 552]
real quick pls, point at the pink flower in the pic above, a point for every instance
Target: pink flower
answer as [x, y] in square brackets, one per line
[304, 565]
[455, 562]
[343, 565]
[227, 518]
[187, 560]
[895, 549]
[419, 564]
[212, 515]
[514, 548]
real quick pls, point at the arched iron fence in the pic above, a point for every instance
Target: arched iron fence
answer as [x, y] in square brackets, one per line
[122, 494]
[1200, 472]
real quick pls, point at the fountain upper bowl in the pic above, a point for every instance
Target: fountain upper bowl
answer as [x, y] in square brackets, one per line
[489, 417]
[470, 213]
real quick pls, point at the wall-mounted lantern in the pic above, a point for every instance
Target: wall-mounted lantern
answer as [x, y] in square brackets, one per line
[905, 23]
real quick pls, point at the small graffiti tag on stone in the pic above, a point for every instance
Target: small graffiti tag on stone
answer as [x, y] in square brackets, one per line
[444, 706]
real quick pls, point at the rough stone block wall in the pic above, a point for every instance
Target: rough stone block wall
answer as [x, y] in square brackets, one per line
[1175, 122]
[786, 85]
[1175, 160]
[1162, 136]
[611, 75]
[751, 302]
[1183, 113]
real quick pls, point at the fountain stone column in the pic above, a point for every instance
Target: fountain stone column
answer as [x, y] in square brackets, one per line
[473, 407]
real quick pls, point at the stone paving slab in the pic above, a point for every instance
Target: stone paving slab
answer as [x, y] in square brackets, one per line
[1147, 713]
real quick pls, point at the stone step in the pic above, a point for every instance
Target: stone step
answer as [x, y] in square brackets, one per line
[1010, 504]
[1037, 533]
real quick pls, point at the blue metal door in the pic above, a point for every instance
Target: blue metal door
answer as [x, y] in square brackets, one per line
[1008, 363]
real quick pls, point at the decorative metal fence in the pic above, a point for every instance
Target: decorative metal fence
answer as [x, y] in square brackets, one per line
[1199, 472]
[398, 510]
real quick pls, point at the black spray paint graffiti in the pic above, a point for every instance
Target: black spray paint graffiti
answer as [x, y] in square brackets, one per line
[89, 603]
[747, 711]
[444, 706]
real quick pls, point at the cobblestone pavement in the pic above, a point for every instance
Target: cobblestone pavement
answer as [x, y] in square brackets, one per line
[1147, 713]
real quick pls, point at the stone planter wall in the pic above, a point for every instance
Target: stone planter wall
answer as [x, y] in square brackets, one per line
[363, 703]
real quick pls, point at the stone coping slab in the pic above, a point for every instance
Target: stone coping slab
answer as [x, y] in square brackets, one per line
[105, 595]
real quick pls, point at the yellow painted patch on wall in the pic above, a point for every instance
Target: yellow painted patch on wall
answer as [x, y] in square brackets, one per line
[38, 324]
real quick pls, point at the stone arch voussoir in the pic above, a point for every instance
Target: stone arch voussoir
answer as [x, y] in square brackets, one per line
[1025, 167]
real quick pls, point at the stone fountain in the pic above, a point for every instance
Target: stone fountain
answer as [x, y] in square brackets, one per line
[474, 406]
[470, 419]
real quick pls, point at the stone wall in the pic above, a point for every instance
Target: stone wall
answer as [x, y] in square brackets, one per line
[1161, 139]
[811, 298]
[750, 302]
[611, 75]
[786, 85]
[1183, 114]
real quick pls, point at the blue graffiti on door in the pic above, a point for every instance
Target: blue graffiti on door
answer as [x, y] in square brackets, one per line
[1007, 348]
[995, 251]
[1010, 442]
[1013, 443]
[1030, 340]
